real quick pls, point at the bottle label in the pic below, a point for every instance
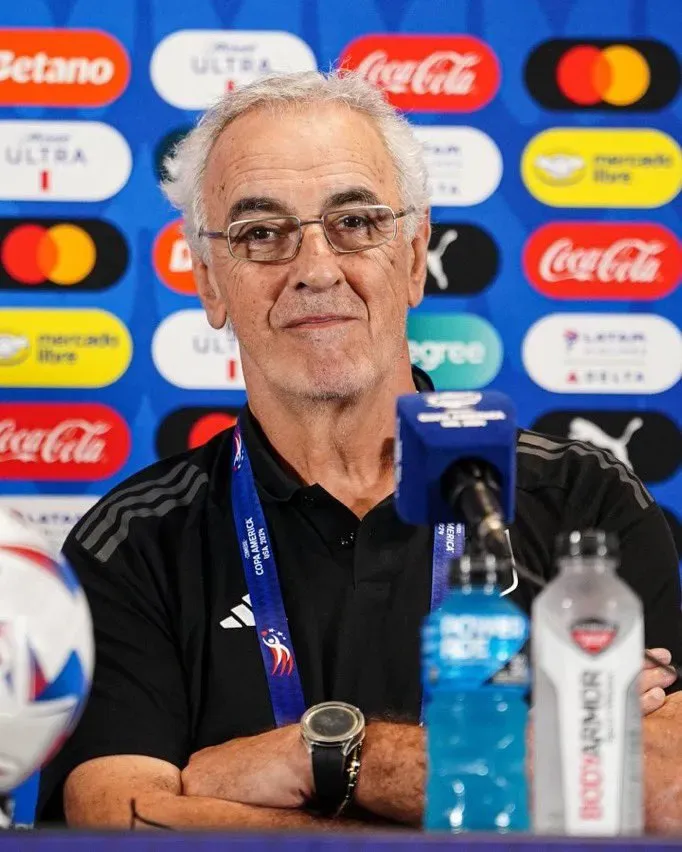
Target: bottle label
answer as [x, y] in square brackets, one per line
[593, 635]
[471, 650]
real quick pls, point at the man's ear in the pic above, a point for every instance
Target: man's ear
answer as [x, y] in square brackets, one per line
[420, 245]
[208, 292]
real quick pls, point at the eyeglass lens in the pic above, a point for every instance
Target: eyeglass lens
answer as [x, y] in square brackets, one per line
[278, 238]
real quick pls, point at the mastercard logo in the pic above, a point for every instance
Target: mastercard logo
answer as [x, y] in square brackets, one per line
[61, 68]
[172, 259]
[188, 428]
[49, 254]
[637, 74]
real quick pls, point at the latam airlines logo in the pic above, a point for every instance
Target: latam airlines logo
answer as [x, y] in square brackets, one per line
[61, 441]
[429, 73]
[464, 165]
[190, 69]
[62, 161]
[600, 260]
[61, 68]
[603, 353]
[53, 515]
[190, 354]
[609, 167]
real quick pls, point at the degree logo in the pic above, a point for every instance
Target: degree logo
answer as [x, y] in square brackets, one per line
[172, 259]
[588, 167]
[638, 74]
[56, 254]
[61, 68]
[81, 348]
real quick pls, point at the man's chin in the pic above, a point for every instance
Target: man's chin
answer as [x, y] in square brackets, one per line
[328, 382]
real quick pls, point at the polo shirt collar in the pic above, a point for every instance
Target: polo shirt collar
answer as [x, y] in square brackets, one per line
[272, 481]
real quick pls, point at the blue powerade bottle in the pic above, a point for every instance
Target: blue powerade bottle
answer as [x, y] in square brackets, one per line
[476, 676]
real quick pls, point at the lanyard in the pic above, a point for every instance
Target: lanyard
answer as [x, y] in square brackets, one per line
[262, 581]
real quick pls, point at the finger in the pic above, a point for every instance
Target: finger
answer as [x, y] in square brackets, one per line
[663, 655]
[653, 678]
[652, 700]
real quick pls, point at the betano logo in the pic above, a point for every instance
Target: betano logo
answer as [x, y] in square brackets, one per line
[172, 259]
[62, 161]
[458, 351]
[610, 167]
[80, 348]
[61, 68]
[638, 74]
[49, 254]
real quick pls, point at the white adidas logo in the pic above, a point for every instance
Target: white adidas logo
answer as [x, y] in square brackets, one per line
[242, 615]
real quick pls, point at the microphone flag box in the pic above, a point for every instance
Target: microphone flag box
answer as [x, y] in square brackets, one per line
[439, 429]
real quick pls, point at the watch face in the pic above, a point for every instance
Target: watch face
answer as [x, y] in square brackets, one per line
[332, 723]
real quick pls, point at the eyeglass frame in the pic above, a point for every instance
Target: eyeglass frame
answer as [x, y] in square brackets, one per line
[225, 235]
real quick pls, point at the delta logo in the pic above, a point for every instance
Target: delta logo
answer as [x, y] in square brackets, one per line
[605, 167]
[58, 254]
[56, 348]
[191, 69]
[62, 161]
[429, 73]
[61, 441]
[188, 428]
[597, 74]
[172, 259]
[61, 68]
[600, 260]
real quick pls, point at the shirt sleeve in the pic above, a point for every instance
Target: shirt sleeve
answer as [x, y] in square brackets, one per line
[138, 702]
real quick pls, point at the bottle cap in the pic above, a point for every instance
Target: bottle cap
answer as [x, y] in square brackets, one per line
[586, 543]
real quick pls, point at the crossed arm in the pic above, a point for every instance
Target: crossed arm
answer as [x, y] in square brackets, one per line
[264, 782]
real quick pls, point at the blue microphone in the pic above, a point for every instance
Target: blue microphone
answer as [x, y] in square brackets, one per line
[455, 461]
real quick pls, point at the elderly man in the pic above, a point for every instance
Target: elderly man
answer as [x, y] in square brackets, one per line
[236, 585]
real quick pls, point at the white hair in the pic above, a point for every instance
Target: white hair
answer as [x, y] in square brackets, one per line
[186, 164]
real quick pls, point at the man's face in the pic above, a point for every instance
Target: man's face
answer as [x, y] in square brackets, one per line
[322, 325]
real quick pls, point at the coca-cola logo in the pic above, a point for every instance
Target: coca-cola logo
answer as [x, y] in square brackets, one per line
[445, 73]
[59, 441]
[600, 260]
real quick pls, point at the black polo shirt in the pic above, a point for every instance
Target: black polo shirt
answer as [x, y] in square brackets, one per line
[178, 662]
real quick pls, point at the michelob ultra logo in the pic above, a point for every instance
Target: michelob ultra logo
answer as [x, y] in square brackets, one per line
[61, 68]
[615, 167]
[458, 351]
[83, 348]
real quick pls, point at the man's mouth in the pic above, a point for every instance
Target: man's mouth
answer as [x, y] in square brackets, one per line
[318, 321]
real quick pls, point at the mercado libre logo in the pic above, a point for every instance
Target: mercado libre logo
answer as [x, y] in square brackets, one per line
[58, 254]
[459, 351]
[610, 167]
[633, 75]
[602, 260]
[42, 441]
[79, 348]
[172, 259]
[190, 69]
[61, 68]
[187, 428]
[62, 161]
[427, 73]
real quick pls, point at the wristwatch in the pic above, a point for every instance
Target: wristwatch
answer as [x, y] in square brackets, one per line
[333, 733]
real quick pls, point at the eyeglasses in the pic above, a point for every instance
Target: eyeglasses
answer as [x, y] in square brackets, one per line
[276, 238]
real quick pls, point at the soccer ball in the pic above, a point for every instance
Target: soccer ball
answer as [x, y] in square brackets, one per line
[46, 650]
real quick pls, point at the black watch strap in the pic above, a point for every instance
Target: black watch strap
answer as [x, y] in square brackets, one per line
[329, 772]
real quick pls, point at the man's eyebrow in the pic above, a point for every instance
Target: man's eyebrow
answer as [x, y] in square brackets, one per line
[352, 195]
[257, 204]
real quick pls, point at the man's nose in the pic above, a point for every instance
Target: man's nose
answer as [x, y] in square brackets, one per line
[317, 264]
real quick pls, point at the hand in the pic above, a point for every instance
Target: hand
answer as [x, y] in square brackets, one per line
[271, 770]
[654, 680]
[662, 745]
